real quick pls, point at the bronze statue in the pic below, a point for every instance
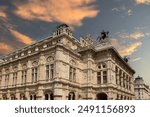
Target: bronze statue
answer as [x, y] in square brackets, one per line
[126, 59]
[103, 35]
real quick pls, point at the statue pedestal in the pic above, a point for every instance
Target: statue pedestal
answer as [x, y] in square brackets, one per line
[103, 44]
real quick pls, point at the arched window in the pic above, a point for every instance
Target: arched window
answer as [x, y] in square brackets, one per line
[22, 96]
[49, 96]
[5, 97]
[13, 97]
[72, 71]
[50, 68]
[33, 97]
[24, 74]
[101, 73]
[102, 96]
[71, 96]
[46, 96]
[34, 71]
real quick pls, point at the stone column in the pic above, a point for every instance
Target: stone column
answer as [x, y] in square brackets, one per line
[27, 95]
[108, 72]
[121, 78]
[10, 79]
[127, 82]
[117, 77]
[124, 80]
[89, 67]
[29, 72]
[8, 95]
[58, 91]
[17, 94]
[40, 94]
[3, 78]
[19, 78]
[101, 77]
[132, 84]
[42, 68]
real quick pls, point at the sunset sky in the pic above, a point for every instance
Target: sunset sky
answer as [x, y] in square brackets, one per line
[23, 22]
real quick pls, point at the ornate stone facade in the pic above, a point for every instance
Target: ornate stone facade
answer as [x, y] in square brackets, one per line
[142, 91]
[63, 67]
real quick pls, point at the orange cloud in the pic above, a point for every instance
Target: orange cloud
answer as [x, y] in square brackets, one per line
[2, 12]
[21, 37]
[124, 49]
[3, 15]
[129, 50]
[71, 12]
[137, 35]
[5, 48]
[147, 2]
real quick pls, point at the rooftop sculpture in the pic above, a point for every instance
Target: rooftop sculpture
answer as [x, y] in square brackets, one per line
[103, 36]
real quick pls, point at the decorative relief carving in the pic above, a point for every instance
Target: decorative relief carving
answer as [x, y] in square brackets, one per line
[35, 63]
[72, 62]
[24, 66]
[50, 59]
[7, 70]
[15, 68]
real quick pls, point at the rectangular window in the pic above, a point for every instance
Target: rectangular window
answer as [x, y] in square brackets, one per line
[14, 79]
[0, 81]
[104, 76]
[98, 77]
[50, 71]
[6, 80]
[47, 72]
[72, 74]
[24, 77]
[120, 77]
[34, 75]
